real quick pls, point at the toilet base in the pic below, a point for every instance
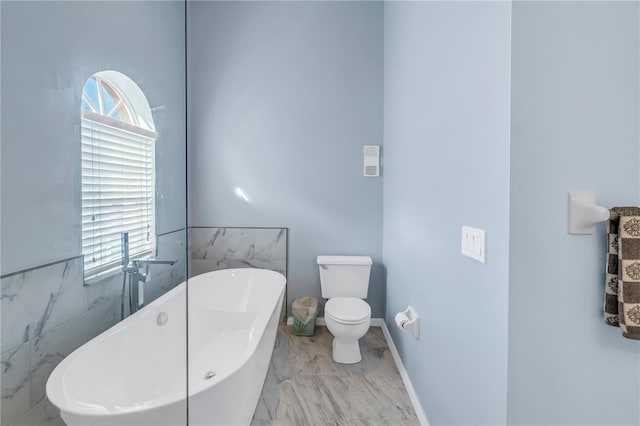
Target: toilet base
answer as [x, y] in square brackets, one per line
[346, 351]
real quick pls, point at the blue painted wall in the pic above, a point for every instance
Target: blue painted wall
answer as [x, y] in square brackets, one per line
[49, 49]
[283, 97]
[575, 125]
[446, 136]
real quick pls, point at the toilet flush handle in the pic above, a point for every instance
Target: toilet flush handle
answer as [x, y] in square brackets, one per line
[324, 266]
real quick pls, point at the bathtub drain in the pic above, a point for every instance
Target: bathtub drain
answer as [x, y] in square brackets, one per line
[210, 375]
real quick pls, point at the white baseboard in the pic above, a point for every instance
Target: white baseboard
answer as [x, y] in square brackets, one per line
[375, 322]
[422, 417]
[379, 322]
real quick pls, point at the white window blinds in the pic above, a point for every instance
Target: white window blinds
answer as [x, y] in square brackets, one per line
[117, 192]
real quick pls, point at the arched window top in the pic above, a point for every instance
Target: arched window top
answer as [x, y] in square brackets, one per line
[99, 96]
[115, 96]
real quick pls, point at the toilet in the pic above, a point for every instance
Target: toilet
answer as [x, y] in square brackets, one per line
[345, 282]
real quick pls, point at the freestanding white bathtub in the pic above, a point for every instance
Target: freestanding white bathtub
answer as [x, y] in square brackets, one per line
[135, 373]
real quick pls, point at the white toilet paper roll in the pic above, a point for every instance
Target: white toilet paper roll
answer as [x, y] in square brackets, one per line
[401, 319]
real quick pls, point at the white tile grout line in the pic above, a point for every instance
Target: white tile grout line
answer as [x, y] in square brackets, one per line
[379, 322]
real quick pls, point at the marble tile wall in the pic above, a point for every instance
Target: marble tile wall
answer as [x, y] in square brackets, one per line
[45, 316]
[47, 312]
[212, 249]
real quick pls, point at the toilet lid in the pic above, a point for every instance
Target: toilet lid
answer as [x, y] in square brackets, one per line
[347, 309]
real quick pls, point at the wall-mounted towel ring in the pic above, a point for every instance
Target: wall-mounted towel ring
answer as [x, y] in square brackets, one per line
[584, 213]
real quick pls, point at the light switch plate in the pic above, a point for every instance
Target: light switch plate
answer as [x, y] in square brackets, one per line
[474, 243]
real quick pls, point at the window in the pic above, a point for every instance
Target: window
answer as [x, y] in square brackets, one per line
[118, 172]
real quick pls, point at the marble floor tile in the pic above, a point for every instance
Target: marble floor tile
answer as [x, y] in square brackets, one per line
[262, 416]
[311, 399]
[305, 387]
[313, 355]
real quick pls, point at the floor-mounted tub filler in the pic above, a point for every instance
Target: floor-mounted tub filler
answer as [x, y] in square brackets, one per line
[135, 372]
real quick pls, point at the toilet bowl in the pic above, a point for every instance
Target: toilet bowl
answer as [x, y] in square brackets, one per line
[347, 319]
[344, 281]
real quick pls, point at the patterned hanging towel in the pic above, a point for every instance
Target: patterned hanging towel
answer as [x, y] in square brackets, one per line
[611, 287]
[622, 291]
[629, 275]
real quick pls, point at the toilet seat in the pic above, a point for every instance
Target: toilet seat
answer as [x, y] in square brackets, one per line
[347, 310]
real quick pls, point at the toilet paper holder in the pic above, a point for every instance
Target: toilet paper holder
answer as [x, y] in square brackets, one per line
[408, 320]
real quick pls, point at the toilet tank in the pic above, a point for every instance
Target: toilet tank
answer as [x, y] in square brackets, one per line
[344, 276]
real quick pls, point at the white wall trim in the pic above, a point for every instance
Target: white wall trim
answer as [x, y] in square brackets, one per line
[375, 322]
[379, 322]
[422, 416]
